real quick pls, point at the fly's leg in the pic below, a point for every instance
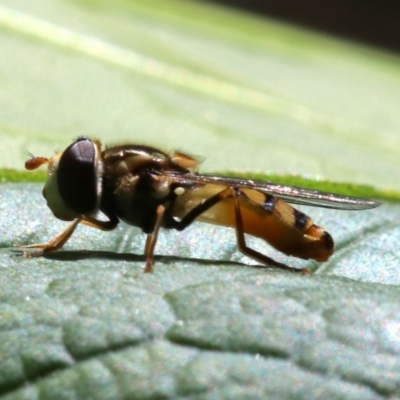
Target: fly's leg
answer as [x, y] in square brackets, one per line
[57, 242]
[102, 225]
[241, 242]
[248, 251]
[151, 239]
[54, 244]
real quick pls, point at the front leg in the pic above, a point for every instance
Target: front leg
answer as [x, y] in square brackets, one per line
[57, 242]
[102, 225]
[54, 244]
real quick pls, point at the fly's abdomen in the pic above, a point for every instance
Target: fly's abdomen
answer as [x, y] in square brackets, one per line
[283, 227]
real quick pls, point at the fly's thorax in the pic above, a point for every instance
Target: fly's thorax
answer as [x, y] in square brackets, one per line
[136, 182]
[146, 162]
[136, 197]
[134, 159]
[73, 186]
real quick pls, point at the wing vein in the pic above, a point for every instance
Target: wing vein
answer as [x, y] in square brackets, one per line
[290, 194]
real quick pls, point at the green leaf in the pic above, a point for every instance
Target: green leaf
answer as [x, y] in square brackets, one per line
[85, 322]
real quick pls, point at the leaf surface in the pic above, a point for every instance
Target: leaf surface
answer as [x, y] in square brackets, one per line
[85, 322]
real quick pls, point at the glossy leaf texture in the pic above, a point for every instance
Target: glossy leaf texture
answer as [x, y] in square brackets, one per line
[86, 322]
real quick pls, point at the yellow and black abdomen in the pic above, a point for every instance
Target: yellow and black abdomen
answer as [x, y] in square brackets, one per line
[264, 216]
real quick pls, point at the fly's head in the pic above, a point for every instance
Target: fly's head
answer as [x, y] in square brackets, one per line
[73, 186]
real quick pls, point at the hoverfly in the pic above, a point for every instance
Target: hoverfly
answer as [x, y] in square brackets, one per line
[150, 189]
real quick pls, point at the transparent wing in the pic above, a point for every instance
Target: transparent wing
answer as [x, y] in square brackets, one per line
[290, 194]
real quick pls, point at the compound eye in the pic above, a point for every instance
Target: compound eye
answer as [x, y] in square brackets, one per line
[77, 176]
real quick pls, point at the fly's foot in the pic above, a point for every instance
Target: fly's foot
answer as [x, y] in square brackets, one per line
[33, 254]
[33, 250]
[21, 252]
[148, 268]
[305, 271]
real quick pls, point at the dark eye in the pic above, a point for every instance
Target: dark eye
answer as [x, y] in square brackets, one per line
[77, 176]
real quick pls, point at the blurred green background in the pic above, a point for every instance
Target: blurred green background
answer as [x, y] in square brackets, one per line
[245, 92]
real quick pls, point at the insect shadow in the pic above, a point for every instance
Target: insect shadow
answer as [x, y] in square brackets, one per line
[77, 255]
